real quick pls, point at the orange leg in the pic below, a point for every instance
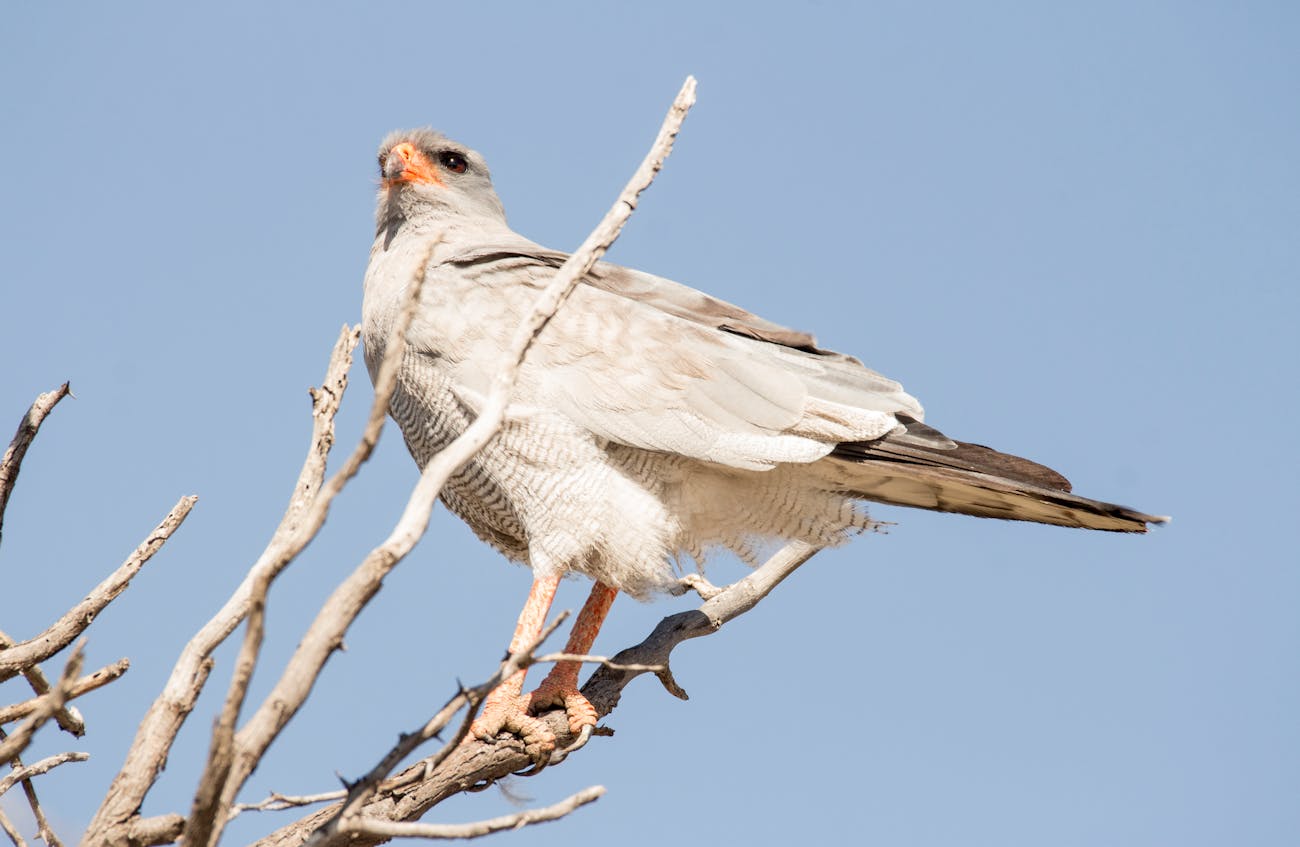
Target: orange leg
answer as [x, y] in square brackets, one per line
[560, 688]
[505, 708]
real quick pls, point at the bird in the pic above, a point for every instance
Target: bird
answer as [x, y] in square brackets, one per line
[651, 424]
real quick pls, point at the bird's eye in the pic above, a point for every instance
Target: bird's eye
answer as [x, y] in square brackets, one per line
[453, 162]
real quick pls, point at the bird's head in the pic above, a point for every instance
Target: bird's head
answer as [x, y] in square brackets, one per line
[424, 174]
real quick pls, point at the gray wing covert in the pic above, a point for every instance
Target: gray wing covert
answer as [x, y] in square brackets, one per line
[645, 362]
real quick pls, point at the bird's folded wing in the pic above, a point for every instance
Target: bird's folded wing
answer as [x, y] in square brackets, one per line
[648, 363]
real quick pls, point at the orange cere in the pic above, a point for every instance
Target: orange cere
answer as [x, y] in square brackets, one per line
[418, 168]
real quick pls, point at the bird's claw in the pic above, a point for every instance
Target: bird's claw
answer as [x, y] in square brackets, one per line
[511, 716]
[581, 714]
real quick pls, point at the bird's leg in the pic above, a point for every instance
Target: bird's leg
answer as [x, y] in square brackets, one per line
[505, 708]
[560, 688]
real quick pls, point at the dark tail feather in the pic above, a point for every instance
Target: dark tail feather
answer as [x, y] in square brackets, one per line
[918, 466]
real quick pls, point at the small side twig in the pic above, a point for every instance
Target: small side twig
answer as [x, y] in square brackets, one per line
[158, 729]
[26, 772]
[201, 825]
[45, 708]
[60, 634]
[85, 685]
[605, 686]
[392, 829]
[27, 429]
[603, 661]
[68, 718]
[11, 830]
[276, 802]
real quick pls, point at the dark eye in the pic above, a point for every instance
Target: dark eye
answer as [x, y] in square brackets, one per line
[453, 162]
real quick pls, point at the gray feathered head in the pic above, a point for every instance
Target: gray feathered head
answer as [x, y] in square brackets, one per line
[425, 173]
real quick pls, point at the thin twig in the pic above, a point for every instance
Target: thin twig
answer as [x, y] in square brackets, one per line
[60, 634]
[604, 661]
[43, 766]
[11, 830]
[201, 824]
[85, 685]
[27, 429]
[303, 519]
[277, 802]
[605, 686]
[392, 829]
[68, 718]
[158, 730]
[46, 707]
[44, 831]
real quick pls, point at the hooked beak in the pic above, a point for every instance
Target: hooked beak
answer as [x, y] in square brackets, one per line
[405, 164]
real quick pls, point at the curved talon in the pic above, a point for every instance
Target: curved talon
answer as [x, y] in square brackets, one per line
[563, 753]
[581, 714]
[510, 715]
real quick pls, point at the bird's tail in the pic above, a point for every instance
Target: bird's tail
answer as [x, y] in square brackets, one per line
[916, 465]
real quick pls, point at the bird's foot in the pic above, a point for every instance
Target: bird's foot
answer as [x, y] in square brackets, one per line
[560, 692]
[510, 714]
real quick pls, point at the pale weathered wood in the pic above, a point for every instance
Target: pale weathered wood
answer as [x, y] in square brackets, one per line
[61, 633]
[27, 429]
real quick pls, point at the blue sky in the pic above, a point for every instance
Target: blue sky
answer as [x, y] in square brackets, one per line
[1071, 232]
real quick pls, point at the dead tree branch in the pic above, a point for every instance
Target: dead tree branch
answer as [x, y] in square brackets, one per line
[11, 831]
[158, 729]
[476, 764]
[46, 706]
[27, 429]
[15, 659]
[361, 792]
[390, 829]
[85, 685]
[18, 774]
[68, 718]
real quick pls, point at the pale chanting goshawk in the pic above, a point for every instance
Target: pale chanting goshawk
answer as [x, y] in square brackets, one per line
[650, 422]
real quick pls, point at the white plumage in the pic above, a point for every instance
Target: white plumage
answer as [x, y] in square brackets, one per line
[650, 420]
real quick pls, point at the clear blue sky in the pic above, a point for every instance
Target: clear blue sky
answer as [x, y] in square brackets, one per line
[1072, 232]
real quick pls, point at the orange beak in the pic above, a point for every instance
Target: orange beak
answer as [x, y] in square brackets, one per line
[405, 163]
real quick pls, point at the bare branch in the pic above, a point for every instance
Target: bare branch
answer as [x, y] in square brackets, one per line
[365, 788]
[420, 787]
[604, 661]
[10, 830]
[43, 829]
[201, 825]
[390, 829]
[46, 706]
[162, 722]
[146, 832]
[278, 802]
[27, 429]
[68, 718]
[15, 659]
[304, 518]
[606, 684]
[43, 766]
[85, 685]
